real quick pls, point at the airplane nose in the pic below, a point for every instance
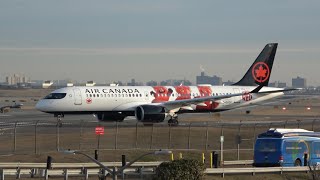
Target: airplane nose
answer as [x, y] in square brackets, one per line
[39, 105]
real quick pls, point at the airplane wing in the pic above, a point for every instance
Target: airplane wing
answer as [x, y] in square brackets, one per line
[187, 102]
[287, 100]
[275, 91]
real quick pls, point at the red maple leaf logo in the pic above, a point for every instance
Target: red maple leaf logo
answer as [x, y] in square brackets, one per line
[261, 72]
[89, 101]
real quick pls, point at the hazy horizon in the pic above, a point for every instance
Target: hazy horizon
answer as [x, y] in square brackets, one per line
[108, 41]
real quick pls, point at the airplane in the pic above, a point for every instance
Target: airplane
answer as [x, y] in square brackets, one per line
[14, 106]
[156, 104]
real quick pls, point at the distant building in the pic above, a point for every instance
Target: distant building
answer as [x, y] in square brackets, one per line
[299, 82]
[228, 83]
[47, 84]
[132, 83]
[90, 83]
[36, 83]
[282, 85]
[16, 78]
[24, 85]
[69, 84]
[116, 83]
[278, 84]
[187, 83]
[113, 84]
[175, 82]
[152, 83]
[164, 83]
[204, 79]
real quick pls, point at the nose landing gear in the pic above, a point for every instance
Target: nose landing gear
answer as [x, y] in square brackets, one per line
[59, 119]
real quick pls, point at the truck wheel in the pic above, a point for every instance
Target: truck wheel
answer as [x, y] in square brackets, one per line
[297, 162]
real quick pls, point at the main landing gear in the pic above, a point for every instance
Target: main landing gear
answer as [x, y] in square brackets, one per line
[173, 121]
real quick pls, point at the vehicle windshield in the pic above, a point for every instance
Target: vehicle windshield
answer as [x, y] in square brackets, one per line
[268, 145]
[56, 96]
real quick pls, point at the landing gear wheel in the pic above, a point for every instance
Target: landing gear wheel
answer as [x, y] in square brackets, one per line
[59, 120]
[173, 121]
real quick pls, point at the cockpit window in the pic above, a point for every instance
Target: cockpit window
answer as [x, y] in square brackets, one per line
[56, 96]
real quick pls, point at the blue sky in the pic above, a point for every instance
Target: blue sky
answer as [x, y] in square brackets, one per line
[119, 40]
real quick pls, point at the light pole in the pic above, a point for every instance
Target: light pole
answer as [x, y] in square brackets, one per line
[113, 172]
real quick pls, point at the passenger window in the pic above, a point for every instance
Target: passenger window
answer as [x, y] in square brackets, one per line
[97, 95]
[129, 95]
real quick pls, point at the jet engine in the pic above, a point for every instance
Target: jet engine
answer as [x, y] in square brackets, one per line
[110, 116]
[149, 113]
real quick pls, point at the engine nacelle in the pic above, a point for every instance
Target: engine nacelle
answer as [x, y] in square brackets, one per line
[149, 113]
[110, 116]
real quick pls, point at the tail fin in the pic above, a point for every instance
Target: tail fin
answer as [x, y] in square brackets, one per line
[260, 71]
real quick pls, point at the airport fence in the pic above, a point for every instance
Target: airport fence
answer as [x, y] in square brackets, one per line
[238, 137]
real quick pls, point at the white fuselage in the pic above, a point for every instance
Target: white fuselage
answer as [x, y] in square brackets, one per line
[79, 100]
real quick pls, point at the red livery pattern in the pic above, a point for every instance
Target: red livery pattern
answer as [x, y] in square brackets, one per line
[184, 92]
[161, 94]
[203, 92]
[246, 96]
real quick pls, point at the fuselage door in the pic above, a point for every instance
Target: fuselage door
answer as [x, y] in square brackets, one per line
[77, 97]
[146, 95]
[236, 99]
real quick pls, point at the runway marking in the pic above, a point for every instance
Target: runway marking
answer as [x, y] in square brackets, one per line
[4, 115]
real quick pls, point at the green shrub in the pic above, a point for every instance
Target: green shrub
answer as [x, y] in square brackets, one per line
[180, 169]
